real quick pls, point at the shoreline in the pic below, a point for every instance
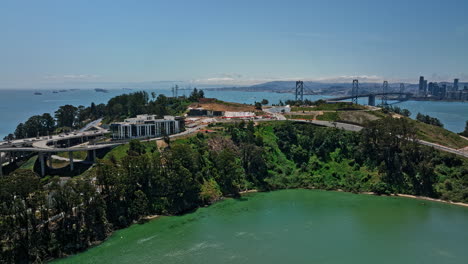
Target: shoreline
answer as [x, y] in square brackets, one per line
[410, 196]
[424, 198]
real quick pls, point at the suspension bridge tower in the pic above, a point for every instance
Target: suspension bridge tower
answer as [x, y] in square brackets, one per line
[384, 93]
[355, 91]
[402, 90]
[300, 91]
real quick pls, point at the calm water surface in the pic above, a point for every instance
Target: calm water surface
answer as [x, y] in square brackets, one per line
[296, 226]
[18, 105]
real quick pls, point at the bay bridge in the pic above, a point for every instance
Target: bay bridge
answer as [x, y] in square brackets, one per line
[399, 96]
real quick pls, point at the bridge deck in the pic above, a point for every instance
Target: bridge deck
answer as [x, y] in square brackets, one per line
[366, 95]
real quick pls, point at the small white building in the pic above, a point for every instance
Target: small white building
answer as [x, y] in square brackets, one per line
[143, 126]
[239, 114]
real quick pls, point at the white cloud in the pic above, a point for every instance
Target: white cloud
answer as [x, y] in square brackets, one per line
[239, 79]
[72, 77]
[349, 78]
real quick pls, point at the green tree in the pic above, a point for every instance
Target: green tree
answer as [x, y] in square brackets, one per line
[136, 148]
[210, 191]
[139, 205]
[66, 116]
[465, 132]
[258, 106]
[20, 131]
[230, 174]
[406, 112]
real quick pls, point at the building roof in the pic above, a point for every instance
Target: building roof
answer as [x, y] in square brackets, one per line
[141, 119]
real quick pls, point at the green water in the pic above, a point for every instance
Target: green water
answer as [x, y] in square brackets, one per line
[296, 226]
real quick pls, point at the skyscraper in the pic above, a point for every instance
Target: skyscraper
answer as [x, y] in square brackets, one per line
[421, 85]
[455, 84]
[442, 91]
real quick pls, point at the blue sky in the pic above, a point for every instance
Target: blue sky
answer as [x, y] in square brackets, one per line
[79, 43]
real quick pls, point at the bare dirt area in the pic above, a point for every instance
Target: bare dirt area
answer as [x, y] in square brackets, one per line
[359, 117]
[464, 150]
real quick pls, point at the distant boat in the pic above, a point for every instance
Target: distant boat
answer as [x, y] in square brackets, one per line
[100, 90]
[62, 91]
[55, 92]
[37, 93]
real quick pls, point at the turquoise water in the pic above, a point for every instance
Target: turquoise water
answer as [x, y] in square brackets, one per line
[18, 105]
[296, 226]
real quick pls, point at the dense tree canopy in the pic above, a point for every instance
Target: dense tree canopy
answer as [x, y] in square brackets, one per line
[69, 117]
[429, 120]
[66, 116]
[36, 125]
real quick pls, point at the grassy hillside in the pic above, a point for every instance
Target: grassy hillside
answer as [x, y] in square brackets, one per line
[439, 135]
[425, 132]
[120, 152]
[29, 164]
[80, 155]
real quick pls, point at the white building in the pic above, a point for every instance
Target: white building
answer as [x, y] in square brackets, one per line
[143, 126]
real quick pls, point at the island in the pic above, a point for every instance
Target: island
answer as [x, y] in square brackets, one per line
[96, 169]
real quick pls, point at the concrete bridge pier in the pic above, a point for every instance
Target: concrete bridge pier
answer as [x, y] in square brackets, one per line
[41, 160]
[1, 165]
[371, 100]
[49, 158]
[70, 157]
[91, 155]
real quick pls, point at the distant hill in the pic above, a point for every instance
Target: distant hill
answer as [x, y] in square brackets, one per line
[311, 87]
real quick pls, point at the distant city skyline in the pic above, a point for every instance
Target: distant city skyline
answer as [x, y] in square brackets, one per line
[87, 44]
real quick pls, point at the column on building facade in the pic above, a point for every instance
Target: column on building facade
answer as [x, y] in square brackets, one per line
[177, 129]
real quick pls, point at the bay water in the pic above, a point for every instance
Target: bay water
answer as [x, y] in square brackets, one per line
[18, 105]
[295, 226]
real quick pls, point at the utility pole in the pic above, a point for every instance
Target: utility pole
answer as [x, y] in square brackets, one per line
[384, 94]
[355, 91]
[300, 90]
